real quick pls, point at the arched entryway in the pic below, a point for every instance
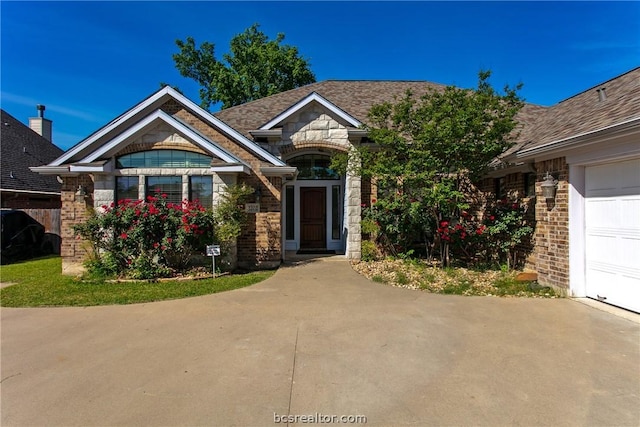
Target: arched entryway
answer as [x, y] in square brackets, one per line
[314, 205]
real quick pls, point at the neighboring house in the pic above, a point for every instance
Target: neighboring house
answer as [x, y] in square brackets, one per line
[282, 145]
[23, 147]
[587, 238]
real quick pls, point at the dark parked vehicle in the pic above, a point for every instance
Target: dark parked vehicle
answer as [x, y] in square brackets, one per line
[22, 237]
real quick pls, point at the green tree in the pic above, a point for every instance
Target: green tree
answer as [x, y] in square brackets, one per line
[254, 68]
[427, 150]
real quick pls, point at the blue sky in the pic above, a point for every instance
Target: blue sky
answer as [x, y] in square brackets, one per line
[88, 62]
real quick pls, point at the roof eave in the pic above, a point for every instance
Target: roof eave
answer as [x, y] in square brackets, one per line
[279, 171]
[51, 170]
[239, 168]
[597, 136]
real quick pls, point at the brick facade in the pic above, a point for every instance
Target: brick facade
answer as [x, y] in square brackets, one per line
[259, 244]
[548, 251]
[74, 211]
[552, 227]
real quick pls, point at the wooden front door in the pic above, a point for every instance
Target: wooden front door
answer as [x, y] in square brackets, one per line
[313, 217]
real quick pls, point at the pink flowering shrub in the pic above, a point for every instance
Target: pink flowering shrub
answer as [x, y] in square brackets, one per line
[147, 239]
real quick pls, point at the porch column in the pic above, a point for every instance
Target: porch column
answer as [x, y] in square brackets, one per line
[353, 209]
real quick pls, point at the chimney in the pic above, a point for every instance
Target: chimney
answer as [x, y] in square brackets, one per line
[41, 125]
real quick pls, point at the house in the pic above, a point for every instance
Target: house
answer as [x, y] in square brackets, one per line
[587, 237]
[282, 145]
[23, 147]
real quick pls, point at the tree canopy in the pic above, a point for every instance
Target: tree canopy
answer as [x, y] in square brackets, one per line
[426, 151]
[254, 68]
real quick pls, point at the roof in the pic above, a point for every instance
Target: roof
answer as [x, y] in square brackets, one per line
[354, 97]
[105, 140]
[22, 148]
[586, 112]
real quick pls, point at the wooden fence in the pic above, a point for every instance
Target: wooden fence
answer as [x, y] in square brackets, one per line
[50, 218]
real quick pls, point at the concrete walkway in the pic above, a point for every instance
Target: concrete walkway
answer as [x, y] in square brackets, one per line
[319, 338]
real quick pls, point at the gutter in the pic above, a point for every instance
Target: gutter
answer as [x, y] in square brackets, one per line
[49, 193]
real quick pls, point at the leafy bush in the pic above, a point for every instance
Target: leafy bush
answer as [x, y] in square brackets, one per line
[155, 238]
[494, 239]
[506, 228]
[369, 251]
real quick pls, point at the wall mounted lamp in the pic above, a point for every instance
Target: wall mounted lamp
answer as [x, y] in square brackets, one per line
[549, 187]
[81, 194]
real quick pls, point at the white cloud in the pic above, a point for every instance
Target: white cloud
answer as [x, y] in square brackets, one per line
[23, 100]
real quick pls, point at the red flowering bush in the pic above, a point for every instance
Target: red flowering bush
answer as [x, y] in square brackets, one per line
[494, 239]
[465, 236]
[147, 239]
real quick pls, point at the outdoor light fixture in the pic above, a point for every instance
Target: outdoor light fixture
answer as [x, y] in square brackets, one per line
[81, 194]
[549, 186]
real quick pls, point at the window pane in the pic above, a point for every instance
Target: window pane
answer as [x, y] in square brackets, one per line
[314, 166]
[169, 185]
[335, 212]
[530, 184]
[126, 188]
[290, 212]
[164, 159]
[137, 160]
[201, 189]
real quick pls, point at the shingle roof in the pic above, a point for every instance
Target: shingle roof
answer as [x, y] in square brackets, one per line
[585, 112]
[354, 97]
[21, 148]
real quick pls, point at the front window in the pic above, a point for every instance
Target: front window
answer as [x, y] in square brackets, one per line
[164, 159]
[201, 189]
[314, 166]
[171, 186]
[127, 188]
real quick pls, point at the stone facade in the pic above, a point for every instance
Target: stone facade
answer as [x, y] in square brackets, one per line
[310, 130]
[313, 124]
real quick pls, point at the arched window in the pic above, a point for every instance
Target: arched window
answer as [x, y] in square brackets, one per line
[164, 159]
[314, 166]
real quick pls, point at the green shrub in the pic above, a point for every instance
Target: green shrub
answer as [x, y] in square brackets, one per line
[155, 238]
[369, 250]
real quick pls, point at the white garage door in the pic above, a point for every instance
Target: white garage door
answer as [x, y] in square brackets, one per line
[612, 220]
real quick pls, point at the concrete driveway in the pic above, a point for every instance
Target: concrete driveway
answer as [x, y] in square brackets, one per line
[319, 340]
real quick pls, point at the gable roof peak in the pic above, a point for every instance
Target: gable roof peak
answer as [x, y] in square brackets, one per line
[309, 99]
[143, 109]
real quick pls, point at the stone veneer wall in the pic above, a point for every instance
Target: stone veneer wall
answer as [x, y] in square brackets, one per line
[552, 227]
[353, 214]
[74, 250]
[313, 124]
[312, 128]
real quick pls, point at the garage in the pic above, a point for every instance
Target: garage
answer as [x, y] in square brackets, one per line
[612, 233]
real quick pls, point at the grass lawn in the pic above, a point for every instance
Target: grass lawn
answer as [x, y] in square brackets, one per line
[39, 283]
[419, 275]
